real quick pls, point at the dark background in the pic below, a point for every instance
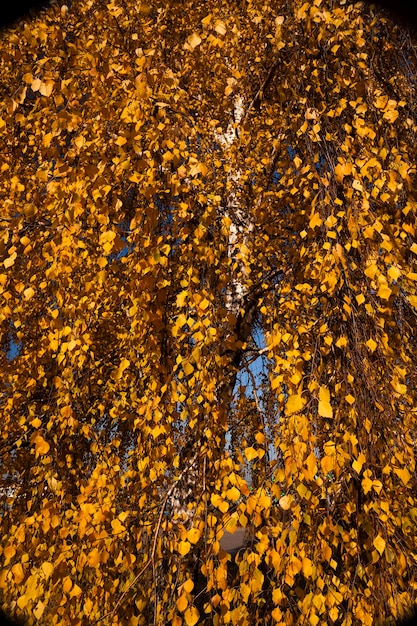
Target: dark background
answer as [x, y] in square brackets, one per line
[403, 11]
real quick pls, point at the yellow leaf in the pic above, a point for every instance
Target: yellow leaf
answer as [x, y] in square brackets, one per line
[391, 116]
[182, 602]
[79, 141]
[28, 293]
[204, 304]
[45, 88]
[9, 261]
[220, 27]
[366, 485]
[18, 573]
[285, 502]
[251, 453]
[325, 409]
[23, 601]
[188, 586]
[324, 394]
[41, 446]
[47, 568]
[184, 547]
[384, 291]
[394, 272]
[244, 592]
[294, 404]
[191, 616]
[256, 580]
[379, 544]
[117, 527]
[9, 552]
[264, 500]
[315, 220]
[67, 584]
[377, 486]
[75, 591]
[327, 463]
[194, 40]
[233, 494]
[358, 463]
[53, 344]
[341, 170]
[193, 535]
[413, 301]
[120, 141]
[181, 297]
[39, 610]
[188, 368]
[372, 345]
[399, 387]
[403, 474]
[93, 558]
[307, 566]
[371, 270]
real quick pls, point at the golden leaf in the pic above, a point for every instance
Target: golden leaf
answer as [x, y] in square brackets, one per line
[394, 272]
[358, 463]
[220, 27]
[294, 404]
[23, 601]
[45, 88]
[251, 453]
[233, 494]
[193, 535]
[79, 141]
[325, 409]
[285, 502]
[39, 610]
[9, 551]
[93, 558]
[194, 40]
[366, 484]
[244, 592]
[264, 500]
[384, 291]
[28, 293]
[9, 261]
[379, 543]
[403, 474]
[327, 463]
[307, 566]
[47, 568]
[372, 344]
[182, 602]
[184, 547]
[75, 591]
[191, 616]
[18, 573]
[41, 446]
[188, 586]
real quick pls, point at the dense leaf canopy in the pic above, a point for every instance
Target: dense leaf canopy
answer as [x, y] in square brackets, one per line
[208, 301]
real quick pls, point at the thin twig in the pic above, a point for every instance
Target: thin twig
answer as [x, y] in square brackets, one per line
[154, 543]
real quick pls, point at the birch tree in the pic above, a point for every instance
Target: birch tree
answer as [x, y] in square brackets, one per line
[208, 240]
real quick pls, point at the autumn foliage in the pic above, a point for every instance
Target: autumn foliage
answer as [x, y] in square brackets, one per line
[208, 307]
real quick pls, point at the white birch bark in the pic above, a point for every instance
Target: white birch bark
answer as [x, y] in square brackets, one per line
[238, 300]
